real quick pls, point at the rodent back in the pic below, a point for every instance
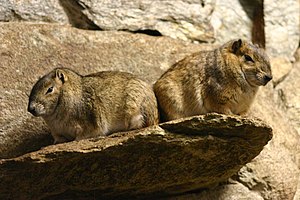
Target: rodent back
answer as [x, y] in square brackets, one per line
[122, 98]
[107, 87]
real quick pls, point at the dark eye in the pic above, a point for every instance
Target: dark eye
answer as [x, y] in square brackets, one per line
[50, 89]
[248, 58]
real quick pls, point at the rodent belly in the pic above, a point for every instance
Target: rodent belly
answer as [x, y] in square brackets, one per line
[67, 130]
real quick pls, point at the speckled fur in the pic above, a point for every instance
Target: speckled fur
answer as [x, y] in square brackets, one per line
[221, 80]
[98, 104]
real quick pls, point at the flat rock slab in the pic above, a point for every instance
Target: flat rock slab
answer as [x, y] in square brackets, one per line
[171, 158]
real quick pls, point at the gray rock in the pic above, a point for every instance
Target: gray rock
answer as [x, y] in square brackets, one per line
[183, 19]
[275, 172]
[288, 95]
[269, 23]
[231, 191]
[281, 68]
[230, 21]
[33, 11]
[172, 158]
[282, 27]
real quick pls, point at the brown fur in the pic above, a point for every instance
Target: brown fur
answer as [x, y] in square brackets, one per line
[77, 107]
[224, 80]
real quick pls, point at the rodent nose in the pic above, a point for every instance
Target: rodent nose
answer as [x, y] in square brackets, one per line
[31, 109]
[267, 78]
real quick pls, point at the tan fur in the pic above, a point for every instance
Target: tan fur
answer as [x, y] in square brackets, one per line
[79, 107]
[224, 80]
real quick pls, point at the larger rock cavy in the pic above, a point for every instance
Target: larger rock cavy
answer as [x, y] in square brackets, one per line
[224, 80]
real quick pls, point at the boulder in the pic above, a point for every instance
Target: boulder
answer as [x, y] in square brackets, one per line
[269, 23]
[32, 11]
[229, 191]
[281, 67]
[282, 27]
[288, 95]
[182, 19]
[231, 20]
[168, 159]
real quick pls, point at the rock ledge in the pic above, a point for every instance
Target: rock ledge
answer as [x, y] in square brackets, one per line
[171, 158]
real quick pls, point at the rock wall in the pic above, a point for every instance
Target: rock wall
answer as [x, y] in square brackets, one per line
[269, 23]
[282, 27]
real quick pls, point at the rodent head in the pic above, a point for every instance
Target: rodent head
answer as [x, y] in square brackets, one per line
[45, 94]
[254, 62]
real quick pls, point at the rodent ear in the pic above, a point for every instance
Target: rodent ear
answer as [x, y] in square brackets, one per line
[60, 75]
[236, 45]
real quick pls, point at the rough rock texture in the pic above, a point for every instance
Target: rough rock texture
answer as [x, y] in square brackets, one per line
[28, 51]
[231, 191]
[32, 10]
[274, 173]
[183, 19]
[176, 157]
[281, 67]
[269, 23]
[230, 20]
[282, 27]
[288, 95]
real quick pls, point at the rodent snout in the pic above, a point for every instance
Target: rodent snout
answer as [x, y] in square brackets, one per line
[267, 78]
[31, 109]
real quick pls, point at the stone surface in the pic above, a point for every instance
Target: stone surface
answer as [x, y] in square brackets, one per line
[274, 173]
[297, 195]
[281, 67]
[288, 95]
[230, 21]
[33, 11]
[172, 158]
[183, 19]
[282, 27]
[271, 23]
[232, 191]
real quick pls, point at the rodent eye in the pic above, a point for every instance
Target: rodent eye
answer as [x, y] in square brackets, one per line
[50, 89]
[248, 58]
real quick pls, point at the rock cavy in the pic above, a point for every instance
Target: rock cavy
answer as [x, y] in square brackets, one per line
[224, 80]
[76, 107]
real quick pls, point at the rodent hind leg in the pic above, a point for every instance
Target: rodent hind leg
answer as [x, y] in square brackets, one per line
[169, 116]
[59, 139]
[133, 115]
[134, 121]
[221, 109]
[91, 132]
[171, 109]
